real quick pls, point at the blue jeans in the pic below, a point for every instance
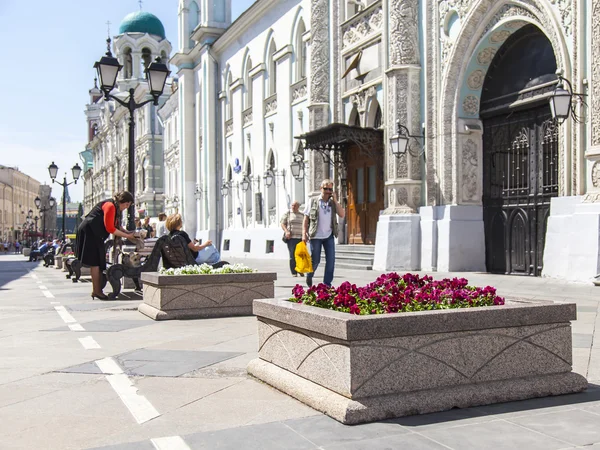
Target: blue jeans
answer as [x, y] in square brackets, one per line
[291, 243]
[315, 249]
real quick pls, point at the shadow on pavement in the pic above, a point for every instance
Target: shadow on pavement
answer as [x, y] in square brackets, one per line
[12, 269]
[592, 394]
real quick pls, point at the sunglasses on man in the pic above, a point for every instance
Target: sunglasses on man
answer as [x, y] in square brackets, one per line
[327, 189]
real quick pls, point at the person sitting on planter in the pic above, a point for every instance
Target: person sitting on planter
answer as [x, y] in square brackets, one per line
[35, 254]
[202, 253]
[161, 228]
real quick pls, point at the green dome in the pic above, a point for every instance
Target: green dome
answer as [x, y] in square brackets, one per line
[142, 22]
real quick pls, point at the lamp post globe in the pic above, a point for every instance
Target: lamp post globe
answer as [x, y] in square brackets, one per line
[108, 68]
[560, 104]
[38, 202]
[157, 74]
[76, 170]
[53, 171]
[52, 202]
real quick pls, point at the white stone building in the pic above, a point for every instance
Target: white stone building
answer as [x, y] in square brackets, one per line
[141, 39]
[17, 196]
[489, 182]
[169, 117]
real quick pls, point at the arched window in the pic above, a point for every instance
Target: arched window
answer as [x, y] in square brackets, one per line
[128, 63]
[374, 116]
[164, 57]
[248, 84]
[354, 118]
[301, 50]
[146, 58]
[272, 67]
[229, 98]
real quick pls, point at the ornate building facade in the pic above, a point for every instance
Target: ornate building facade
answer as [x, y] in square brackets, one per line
[141, 39]
[17, 197]
[489, 181]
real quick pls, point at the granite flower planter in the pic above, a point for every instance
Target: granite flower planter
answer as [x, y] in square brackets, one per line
[199, 296]
[365, 368]
[58, 262]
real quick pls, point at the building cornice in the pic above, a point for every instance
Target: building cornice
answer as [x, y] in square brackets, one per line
[283, 52]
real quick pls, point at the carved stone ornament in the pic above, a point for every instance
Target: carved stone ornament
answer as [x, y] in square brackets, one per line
[595, 84]
[565, 11]
[485, 56]
[471, 105]
[300, 91]
[596, 174]
[360, 98]
[446, 8]
[319, 79]
[362, 28]
[404, 34]
[475, 80]
[469, 170]
[499, 36]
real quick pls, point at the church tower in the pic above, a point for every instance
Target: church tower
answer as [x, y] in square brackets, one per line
[140, 41]
[202, 21]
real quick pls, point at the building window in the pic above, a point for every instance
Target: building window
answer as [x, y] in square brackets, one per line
[272, 80]
[301, 49]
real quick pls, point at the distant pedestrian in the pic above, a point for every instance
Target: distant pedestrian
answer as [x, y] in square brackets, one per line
[321, 228]
[17, 247]
[291, 223]
[161, 227]
[148, 227]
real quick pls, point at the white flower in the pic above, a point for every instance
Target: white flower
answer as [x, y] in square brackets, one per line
[206, 269]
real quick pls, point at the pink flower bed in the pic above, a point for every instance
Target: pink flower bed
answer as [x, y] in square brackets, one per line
[392, 293]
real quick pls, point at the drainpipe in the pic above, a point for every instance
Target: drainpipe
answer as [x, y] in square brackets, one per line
[220, 199]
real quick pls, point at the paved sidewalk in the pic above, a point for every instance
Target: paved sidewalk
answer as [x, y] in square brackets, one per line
[54, 394]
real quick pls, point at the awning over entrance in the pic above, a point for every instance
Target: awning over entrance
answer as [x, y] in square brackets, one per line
[334, 140]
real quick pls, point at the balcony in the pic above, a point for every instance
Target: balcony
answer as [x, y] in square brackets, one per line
[270, 105]
[299, 91]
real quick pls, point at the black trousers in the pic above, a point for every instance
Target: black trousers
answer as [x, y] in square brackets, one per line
[292, 248]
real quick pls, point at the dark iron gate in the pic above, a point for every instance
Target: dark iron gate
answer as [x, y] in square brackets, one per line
[520, 176]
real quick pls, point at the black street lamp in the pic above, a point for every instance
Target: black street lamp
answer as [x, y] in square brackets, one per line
[53, 170]
[108, 68]
[38, 205]
[399, 142]
[297, 166]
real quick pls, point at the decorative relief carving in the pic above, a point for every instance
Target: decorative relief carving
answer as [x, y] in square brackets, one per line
[469, 170]
[271, 104]
[402, 195]
[485, 56]
[229, 127]
[565, 8]
[416, 197]
[471, 105]
[475, 80]
[499, 36]
[362, 28]
[319, 89]
[360, 98]
[446, 8]
[392, 198]
[247, 116]
[596, 174]
[399, 104]
[299, 91]
[404, 35]
[595, 84]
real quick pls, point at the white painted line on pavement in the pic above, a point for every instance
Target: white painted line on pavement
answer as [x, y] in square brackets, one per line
[89, 343]
[33, 275]
[42, 287]
[47, 294]
[141, 409]
[39, 282]
[64, 315]
[169, 443]
[55, 303]
[76, 327]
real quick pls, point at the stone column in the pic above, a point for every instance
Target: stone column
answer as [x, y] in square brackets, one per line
[187, 137]
[318, 108]
[399, 222]
[136, 63]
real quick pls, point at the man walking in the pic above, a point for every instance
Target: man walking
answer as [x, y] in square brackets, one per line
[320, 226]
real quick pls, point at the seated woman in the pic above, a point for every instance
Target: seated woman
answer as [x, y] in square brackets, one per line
[202, 253]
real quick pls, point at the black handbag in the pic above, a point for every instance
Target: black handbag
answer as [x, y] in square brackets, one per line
[284, 239]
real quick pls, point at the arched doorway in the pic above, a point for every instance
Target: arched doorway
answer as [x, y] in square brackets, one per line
[520, 152]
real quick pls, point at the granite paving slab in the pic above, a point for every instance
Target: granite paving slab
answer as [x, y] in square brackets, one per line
[581, 340]
[147, 445]
[102, 305]
[158, 363]
[108, 325]
[400, 441]
[576, 427]
[258, 437]
[497, 435]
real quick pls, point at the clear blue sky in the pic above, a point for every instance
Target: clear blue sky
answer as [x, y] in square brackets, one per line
[51, 46]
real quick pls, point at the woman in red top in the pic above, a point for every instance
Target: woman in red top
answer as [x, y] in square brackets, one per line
[103, 220]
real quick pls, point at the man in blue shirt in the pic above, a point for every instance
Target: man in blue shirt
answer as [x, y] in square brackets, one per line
[35, 254]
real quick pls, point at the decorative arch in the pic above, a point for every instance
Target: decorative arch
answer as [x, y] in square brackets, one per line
[300, 47]
[271, 49]
[487, 22]
[247, 67]
[354, 117]
[374, 115]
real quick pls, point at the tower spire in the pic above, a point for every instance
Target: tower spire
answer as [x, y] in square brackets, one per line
[140, 2]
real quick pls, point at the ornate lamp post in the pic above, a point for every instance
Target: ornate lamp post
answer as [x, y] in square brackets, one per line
[53, 170]
[38, 205]
[108, 68]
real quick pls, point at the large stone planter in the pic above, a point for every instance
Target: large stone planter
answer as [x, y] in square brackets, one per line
[58, 262]
[365, 368]
[198, 296]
